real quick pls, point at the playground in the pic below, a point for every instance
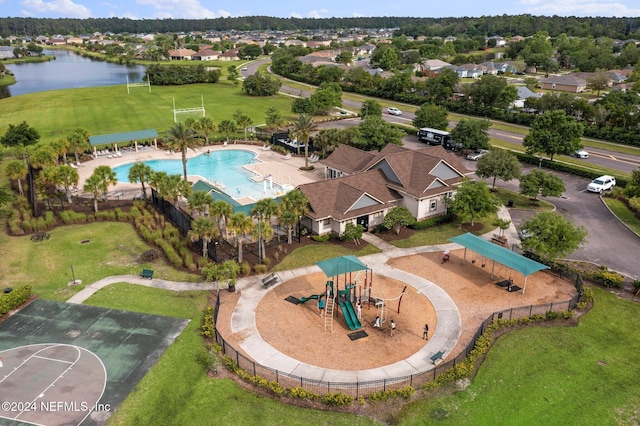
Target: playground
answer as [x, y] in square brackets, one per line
[298, 330]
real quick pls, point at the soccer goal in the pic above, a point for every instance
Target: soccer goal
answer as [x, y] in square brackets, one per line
[198, 110]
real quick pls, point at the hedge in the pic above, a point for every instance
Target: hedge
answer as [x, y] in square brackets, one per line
[15, 298]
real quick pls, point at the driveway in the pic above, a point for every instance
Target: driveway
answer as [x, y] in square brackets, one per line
[609, 242]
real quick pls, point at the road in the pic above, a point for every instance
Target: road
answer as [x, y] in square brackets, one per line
[609, 242]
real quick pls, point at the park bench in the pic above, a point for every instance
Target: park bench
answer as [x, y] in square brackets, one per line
[269, 279]
[437, 356]
[147, 273]
[498, 239]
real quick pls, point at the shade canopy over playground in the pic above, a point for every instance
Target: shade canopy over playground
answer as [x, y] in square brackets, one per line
[341, 265]
[499, 254]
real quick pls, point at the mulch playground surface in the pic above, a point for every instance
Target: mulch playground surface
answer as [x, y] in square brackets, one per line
[298, 330]
[63, 364]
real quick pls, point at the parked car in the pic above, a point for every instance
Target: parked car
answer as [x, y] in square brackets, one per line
[393, 111]
[581, 153]
[244, 68]
[524, 234]
[477, 154]
[603, 183]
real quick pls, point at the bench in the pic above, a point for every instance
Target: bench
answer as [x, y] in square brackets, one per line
[269, 279]
[437, 356]
[498, 239]
[147, 273]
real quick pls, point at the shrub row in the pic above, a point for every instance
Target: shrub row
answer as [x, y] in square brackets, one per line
[208, 328]
[15, 298]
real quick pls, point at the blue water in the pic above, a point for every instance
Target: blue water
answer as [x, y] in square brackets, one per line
[220, 168]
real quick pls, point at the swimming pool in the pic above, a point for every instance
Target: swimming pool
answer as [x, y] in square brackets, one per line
[223, 169]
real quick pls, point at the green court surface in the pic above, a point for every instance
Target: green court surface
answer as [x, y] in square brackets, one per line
[79, 352]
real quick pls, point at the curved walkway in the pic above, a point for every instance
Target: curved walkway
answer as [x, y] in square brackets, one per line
[243, 317]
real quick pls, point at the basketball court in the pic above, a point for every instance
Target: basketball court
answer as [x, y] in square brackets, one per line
[68, 364]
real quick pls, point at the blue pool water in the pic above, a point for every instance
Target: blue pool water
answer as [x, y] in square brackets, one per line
[223, 169]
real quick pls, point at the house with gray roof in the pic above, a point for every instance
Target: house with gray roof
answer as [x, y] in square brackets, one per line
[361, 187]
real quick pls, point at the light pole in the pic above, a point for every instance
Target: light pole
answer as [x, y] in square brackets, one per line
[299, 217]
[259, 244]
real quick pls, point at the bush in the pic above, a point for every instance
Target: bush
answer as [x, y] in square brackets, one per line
[321, 238]
[208, 328]
[260, 269]
[337, 399]
[245, 268]
[17, 297]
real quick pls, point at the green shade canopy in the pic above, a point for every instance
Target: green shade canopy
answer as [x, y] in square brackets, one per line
[122, 137]
[504, 256]
[341, 265]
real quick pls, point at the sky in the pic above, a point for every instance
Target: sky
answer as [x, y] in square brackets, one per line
[199, 9]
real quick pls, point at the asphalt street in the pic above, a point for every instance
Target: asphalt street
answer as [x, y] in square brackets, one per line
[609, 242]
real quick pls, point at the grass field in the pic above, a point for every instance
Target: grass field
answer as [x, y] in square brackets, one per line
[104, 110]
[552, 375]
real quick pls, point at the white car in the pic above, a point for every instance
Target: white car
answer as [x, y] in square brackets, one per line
[393, 111]
[477, 154]
[581, 153]
[603, 183]
[244, 68]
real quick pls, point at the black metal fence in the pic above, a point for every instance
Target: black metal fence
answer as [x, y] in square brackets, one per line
[357, 389]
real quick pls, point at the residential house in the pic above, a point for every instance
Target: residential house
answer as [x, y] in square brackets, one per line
[181, 54]
[564, 83]
[74, 40]
[229, 55]
[206, 55]
[362, 186]
[6, 52]
[324, 56]
[434, 65]
[523, 94]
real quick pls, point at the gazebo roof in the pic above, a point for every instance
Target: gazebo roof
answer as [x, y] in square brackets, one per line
[511, 259]
[341, 265]
[122, 137]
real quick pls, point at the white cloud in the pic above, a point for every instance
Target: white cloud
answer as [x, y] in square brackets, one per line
[295, 15]
[314, 14]
[63, 8]
[579, 8]
[188, 9]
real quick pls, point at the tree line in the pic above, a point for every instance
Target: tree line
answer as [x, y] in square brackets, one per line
[505, 25]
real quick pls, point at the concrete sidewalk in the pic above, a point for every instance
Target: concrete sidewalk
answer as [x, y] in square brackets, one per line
[444, 339]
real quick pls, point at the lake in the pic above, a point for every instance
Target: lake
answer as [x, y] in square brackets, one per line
[68, 71]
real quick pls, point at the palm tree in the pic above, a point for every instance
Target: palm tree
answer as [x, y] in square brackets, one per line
[42, 157]
[221, 210]
[78, 141]
[262, 232]
[102, 177]
[67, 177]
[203, 229]
[172, 187]
[243, 120]
[200, 201]
[61, 147]
[140, 172]
[92, 185]
[264, 210]
[227, 127]
[205, 128]
[181, 138]
[17, 170]
[240, 224]
[302, 129]
[293, 205]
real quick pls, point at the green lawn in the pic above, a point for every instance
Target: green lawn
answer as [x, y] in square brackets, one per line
[312, 254]
[104, 110]
[47, 265]
[623, 213]
[177, 391]
[552, 375]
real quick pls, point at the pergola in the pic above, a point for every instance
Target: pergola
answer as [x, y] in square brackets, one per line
[115, 138]
[499, 254]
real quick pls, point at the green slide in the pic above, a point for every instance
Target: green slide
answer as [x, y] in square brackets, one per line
[350, 316]
[313, 296]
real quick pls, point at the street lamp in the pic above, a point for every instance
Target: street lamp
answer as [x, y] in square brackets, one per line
[215, 251]
[540, 162]
[299, 217]
[259, 245]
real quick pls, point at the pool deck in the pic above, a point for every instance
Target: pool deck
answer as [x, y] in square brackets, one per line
[283, 171]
